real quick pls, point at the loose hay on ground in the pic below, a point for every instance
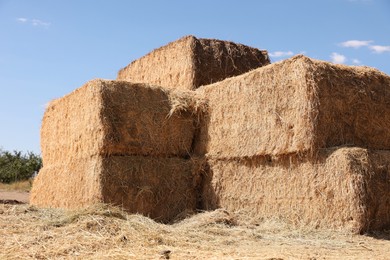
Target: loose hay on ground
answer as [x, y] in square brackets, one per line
[295, 106]
[102, 232]
[119, 118]
[346, 189]
[190, 62]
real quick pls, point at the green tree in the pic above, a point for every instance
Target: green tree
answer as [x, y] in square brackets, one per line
[17, 166]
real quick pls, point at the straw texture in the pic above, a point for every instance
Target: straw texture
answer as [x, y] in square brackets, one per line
[301, 140]
[295, 106]
[346, 188]
[119, 118]
[72, 184]
[160, 188]
[190, 62]
[105, 232]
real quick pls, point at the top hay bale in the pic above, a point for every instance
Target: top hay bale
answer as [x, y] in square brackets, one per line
[119, 118]
[190, 62]
[295, 106]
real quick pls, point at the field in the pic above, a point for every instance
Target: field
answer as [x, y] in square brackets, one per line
[104, 232]
[19, 186]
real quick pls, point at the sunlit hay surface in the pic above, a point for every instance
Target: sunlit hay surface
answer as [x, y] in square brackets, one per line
[159, 188]
[128, 145]
[343, 188]
[294, 106]
[188, 63]
[104, 232]
[108, 117]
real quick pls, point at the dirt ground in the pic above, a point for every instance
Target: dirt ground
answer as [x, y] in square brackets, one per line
[14, 196]
[104, 232]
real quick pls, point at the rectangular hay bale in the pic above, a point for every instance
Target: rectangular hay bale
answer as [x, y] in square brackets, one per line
[70, 184]
[119, 118]
[346, 189]
[295, 106]
[190, 62]
[160, 188]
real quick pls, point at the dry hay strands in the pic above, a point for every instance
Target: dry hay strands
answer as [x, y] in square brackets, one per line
[207, 218]
[98, 209]
[344, 189]
[120, 118]
[99, 231]
[160, 188]
[187, 102]
[296, 106]
[190, 62]
[70, 184]
[30, 233]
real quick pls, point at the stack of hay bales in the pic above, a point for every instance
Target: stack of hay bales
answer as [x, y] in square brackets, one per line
[130, 143]
[120, 143]
[302, 140]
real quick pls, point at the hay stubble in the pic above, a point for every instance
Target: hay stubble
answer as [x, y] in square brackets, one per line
[103, 232]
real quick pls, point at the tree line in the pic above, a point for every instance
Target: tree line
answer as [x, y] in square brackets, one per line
[17, 166]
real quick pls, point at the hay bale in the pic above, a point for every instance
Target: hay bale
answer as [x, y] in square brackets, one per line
[119, 118]
[72, 184]
[160, 188]
[190, 62]
[346, 188]
[295, 106]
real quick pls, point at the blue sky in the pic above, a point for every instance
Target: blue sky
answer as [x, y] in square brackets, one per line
[49, 47]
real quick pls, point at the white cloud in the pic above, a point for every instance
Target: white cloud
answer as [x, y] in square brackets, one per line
[278, 54]
[37, 22]
[338, 58]
[34, 22]
[379, 48]
[22, 19]
[356, 61]
[355, 44]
